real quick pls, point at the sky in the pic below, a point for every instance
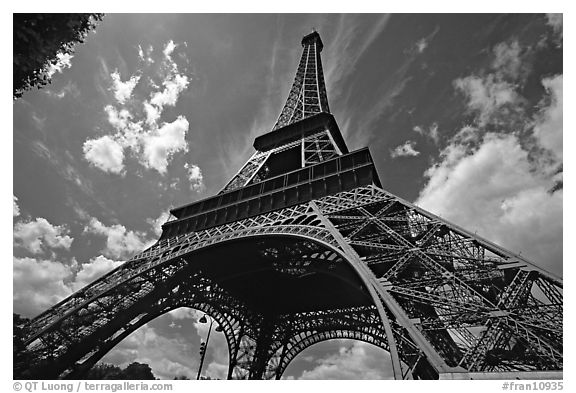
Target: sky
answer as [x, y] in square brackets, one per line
[462, 114]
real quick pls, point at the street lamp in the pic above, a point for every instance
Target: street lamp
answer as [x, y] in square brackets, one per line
[204, 345]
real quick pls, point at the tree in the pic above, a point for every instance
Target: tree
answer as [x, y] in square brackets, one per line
[18, 336]
[138, 371]
[134, 371]
[104, 371]
[39, 40]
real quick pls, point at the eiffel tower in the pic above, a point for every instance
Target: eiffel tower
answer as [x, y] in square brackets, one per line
[303, 245]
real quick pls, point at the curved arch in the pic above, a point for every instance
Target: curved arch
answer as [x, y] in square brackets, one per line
[327, 336]
[173, 258]
[92, 358]
[178, 250]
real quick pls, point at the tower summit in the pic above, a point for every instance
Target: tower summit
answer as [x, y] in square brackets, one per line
[303, 245]
[307, 96]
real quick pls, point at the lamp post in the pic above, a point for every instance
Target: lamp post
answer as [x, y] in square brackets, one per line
[204, 345]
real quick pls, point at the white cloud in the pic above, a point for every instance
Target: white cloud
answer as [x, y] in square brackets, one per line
[495, 191]
[185, 313]
[487, 96]
[153, 144]
[360, 361]
[118, 119]
[405, 150]
[152, 113]
[92, 270]
[169, 48]
[548, 126]
[172, 89]
[352, 36]
[36, 235]
[167, 356]
[195, 177]
[119, 241]
[157, 223]
[38, 284]
[421, 45]
[431, 132]
[123, 90]
[15, 207]
[63, 61]
[507, 60]
[556, 21]
[161, 144]
[105, 153]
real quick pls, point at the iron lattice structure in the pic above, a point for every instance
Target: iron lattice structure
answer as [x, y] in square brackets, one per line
[303, 245]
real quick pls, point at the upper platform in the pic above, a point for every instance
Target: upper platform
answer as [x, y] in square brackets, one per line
[301, 129]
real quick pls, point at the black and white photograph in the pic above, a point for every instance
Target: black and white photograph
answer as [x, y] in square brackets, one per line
[288, 196]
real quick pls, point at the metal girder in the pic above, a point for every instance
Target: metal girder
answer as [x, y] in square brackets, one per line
[441, 300]
[471, 304]
[308, 93]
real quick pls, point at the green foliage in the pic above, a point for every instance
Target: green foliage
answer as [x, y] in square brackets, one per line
[38, 38]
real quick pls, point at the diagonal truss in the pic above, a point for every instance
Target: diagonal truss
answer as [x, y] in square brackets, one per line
[474, 306]
[445, 303]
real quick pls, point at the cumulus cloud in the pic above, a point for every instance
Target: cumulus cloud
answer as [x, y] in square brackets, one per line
[501, 181]
[118, 119]
[105, 153]
[185, 313]
[195, 177]
[168, 351]
[123, 90]
[36, 236]
[151, 141]
[161, 144]
[172, 89]
[152, 113]
[120, 242]
[93, 270]
[63, 61]
[487, 96]
[38, 284]
[360, 361]
[41, 283]
[548, 125]
[495, 191]
[15, 207]
[405, 150]
[169, 48]
[157, 223]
